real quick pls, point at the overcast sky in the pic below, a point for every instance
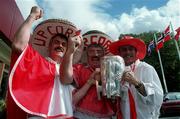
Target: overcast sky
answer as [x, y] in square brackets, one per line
[110, 16]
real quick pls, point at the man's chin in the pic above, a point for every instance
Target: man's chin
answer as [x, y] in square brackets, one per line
[60, 54]
[129, 63]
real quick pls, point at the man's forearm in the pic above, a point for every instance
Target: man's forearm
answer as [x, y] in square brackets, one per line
[81, 93]
[66, 69]
[22, 36]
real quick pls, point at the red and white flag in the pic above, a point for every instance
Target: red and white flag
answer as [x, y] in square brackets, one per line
[177, 36]
[166, 34]
[160, 42]
[150, 47]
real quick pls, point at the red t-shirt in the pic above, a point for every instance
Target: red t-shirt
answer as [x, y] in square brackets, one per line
[90, 103]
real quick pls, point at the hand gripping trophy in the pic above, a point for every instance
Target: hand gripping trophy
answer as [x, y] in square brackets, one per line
[112, 68]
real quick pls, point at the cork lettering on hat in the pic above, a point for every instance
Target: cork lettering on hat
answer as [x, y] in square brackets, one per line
[42, 35]
[96, 39]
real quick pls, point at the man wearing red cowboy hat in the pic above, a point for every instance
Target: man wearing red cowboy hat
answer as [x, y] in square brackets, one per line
[85, 98]
[37, 84]
[142, 94]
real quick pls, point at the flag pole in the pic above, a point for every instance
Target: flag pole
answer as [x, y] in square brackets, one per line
[164, 80]
[177, 47]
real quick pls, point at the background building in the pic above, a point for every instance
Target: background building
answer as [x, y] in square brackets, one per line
[10, 20]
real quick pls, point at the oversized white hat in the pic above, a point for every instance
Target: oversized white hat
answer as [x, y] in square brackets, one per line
[48, 28]
[95, 37]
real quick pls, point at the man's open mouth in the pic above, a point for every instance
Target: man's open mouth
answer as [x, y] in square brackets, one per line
[95, 58]
[128, 56]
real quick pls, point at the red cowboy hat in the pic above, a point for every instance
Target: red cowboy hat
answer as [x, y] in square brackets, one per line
[128, 40]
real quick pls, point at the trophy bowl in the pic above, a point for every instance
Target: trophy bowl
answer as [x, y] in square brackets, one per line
[112, 68]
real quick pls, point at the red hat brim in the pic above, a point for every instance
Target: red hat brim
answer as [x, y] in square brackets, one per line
[137, 43]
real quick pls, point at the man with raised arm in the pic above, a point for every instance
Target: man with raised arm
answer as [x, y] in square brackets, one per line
[38, 83]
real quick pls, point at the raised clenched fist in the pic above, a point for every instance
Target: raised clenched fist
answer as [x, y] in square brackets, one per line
[36, 12]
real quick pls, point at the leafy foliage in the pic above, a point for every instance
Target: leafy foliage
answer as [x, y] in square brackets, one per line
[2, 105]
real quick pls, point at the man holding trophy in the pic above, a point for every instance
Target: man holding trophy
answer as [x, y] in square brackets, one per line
[141, 90]
[88, 102]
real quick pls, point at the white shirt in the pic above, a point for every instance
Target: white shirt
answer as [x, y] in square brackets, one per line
[146, 107]
[61, 100]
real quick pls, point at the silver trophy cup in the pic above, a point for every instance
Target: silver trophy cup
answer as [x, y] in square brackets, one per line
[112, 68]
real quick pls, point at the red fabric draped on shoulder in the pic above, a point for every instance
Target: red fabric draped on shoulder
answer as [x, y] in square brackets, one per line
[28, 73]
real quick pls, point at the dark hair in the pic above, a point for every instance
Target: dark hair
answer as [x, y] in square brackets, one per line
[94, 45]
[58, 35]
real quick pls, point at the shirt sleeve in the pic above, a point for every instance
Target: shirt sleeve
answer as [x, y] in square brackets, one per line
[151, 81]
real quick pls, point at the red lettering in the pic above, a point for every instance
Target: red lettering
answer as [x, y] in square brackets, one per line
[101, 40]
[49, 30]
[41, 42]
[93, 39]
[41, 33]
[59, 29]
[68, 32]
[85, 41]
